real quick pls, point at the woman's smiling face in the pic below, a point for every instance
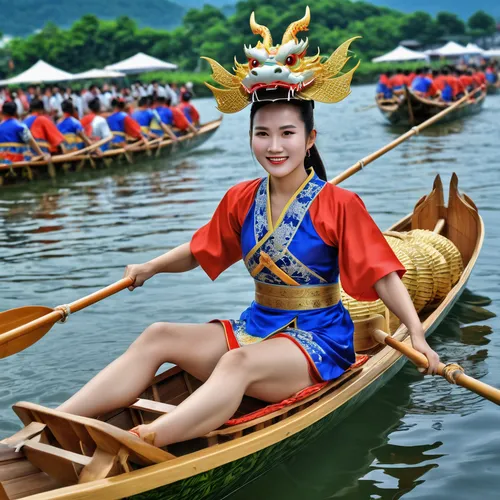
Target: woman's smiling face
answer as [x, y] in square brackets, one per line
[279, 139]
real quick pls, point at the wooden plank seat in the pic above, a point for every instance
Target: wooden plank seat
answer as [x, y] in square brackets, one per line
[78, 449]
[152, 406]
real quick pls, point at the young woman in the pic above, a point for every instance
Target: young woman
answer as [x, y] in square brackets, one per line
[296, 234]
[320, 229]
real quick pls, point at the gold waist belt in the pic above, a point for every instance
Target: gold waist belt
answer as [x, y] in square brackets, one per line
[299, 298]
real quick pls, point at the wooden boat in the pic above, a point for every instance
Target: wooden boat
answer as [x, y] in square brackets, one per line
[87, 159]
[493, 88]
[67, 457]
[413, 110]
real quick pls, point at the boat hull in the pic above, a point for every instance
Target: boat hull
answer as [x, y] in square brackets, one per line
[221, 481]
[165, 149]
[413, 110]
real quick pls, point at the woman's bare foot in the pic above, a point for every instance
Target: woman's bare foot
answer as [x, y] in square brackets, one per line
[142, 432]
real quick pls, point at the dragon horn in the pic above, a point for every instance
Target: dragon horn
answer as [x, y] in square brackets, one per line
[263, 31]
[296, 26]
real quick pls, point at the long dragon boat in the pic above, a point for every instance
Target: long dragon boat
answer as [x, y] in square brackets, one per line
[61, 456]
[88, 159]
[411, 109]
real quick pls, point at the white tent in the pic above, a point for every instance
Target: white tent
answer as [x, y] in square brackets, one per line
[451, 49]
[96, 74]
[492, 53]
[474, 49]
[38, 73]
[141, 63]
[400, 54]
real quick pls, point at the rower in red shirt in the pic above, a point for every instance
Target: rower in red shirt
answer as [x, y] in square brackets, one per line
[190, 112]
[433, 91]
[466, 80]
[398, 82]
[44, 129]
[179, 120]
[409, 77]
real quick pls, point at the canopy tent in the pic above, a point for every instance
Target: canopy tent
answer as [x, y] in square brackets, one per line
[492, 53]
[474, 49]
[400, 54]
[451, 49]
[96, 74]
[141, 63]
[40, 72]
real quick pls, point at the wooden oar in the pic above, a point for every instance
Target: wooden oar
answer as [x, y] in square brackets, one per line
[396, 142]
[23, 326]
[366, 108]
[452, 372]
[58, 158]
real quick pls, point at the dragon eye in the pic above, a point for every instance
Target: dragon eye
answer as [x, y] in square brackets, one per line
[291, 60]
[253, 63]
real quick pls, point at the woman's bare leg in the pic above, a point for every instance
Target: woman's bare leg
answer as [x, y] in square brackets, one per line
[195, 348]
[271, 370]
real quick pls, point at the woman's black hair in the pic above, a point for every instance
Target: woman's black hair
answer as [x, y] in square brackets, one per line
[306, 108]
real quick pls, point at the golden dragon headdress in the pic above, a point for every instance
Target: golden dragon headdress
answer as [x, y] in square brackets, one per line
[285, 65]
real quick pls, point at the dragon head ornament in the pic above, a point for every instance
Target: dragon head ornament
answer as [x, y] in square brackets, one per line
[283, 66]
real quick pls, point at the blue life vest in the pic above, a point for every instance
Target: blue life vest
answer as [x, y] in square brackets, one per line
[447, 93]
[421, 83]
[70, 128]
[116, 123]
[144, 117]
[12, 146]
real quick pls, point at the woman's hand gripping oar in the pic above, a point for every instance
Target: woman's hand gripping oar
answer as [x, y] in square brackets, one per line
[23, 326]
[452, 372]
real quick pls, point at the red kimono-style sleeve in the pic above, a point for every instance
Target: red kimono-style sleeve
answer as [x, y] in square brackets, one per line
[216, 246]
[341, 220]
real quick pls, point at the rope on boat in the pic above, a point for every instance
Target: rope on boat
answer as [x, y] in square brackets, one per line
[65, 309]
[452, 371]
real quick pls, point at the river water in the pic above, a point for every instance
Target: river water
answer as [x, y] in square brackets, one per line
[418, 437]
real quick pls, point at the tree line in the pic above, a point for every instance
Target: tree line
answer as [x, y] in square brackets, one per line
[91, 42]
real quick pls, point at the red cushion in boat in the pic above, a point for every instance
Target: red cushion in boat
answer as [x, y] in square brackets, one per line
[304, 393]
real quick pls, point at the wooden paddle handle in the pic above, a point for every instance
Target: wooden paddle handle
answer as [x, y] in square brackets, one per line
[452, 373]
[79, 304]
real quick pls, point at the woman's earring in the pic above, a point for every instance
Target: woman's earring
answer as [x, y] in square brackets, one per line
[308, 154]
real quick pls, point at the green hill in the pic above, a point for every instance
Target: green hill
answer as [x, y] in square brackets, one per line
[462, 8]
[22, 17]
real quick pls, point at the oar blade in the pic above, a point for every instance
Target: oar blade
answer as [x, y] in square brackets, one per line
[14, 318]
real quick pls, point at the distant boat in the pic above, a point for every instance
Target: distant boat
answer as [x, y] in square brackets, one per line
[413, 109]
[86, 158]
